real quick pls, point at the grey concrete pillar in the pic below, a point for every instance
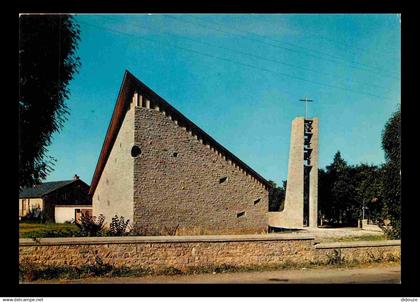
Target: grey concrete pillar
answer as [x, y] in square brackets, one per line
[294, 190]
[313, 177]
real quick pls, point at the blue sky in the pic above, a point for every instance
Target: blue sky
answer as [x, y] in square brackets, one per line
[239, 77]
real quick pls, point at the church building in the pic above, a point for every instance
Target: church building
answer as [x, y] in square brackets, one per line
[160, 170]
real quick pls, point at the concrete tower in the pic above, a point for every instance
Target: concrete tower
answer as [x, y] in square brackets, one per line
[303, 161]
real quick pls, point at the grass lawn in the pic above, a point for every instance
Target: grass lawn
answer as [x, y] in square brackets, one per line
[29, 230]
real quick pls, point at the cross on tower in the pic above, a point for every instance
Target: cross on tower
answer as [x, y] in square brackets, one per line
[306, 100]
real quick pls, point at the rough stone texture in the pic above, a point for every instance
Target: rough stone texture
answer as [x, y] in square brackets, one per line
[292, 214]
[114, 193]
[177, 182]
[198, 251]
[313, 177]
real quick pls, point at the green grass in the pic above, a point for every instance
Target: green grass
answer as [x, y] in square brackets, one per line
[39, 230]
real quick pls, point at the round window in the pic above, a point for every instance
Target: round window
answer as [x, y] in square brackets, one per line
[135, 151]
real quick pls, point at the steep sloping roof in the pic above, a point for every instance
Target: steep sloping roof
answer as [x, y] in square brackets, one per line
[42, 189]
[130, 85]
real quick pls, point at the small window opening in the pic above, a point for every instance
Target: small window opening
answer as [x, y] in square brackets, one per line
[223, 179]
[240, 214]
[257, 201]
[135, 151]
[175, 154]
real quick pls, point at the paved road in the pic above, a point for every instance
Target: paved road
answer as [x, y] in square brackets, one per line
[379, 273]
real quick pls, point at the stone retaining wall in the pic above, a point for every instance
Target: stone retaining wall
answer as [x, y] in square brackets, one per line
[183, 252]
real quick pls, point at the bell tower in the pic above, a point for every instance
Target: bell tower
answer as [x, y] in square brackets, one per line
[301, 201]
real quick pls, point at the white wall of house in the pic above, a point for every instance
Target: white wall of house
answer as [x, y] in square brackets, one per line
[27, 204]
[65, 213]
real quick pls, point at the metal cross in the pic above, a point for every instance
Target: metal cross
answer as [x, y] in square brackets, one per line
[306, 100]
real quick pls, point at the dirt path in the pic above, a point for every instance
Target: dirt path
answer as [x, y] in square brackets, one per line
[378, 273]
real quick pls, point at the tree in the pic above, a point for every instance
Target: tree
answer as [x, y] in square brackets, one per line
[368, 189]
[47, 63]
[391, 143]
[276, 197]
[341, 190]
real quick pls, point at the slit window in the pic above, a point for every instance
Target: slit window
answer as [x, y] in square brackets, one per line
[257, 201]
[240, 214]
[222, 179]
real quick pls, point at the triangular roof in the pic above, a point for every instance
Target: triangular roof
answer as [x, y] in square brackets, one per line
[42, 189]
[131, 84]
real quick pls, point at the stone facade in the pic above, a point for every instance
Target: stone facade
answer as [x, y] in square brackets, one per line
[161, 171]
[183, 252]
[178, 181]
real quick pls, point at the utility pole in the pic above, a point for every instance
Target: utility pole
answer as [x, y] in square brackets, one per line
[306, 100]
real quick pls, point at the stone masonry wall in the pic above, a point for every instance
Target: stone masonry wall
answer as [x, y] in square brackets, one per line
[114, 193]
[178, 182]
[183, 252]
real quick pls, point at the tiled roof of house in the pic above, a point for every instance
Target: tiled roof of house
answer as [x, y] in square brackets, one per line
[42, 189]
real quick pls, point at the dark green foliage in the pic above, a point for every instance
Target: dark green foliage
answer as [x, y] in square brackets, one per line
[391, 143]
[337, 192]
[276, 196]
[34, 216]
[344, 190]
[47, 63]
[91, 225]
[118, 226]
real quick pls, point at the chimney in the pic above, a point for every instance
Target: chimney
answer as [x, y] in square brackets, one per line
[75, 177]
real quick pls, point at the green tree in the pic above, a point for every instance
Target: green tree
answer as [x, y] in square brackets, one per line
[276, 196]
[368, 185]
[47, 63]
[342, 190]
[391, 143]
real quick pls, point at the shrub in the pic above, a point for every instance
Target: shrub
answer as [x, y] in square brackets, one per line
[335, 258]
[118, 226]
[91, 225]
[34, 215]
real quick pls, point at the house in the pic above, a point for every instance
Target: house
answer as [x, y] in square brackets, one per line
[160, 170]
[59, 201]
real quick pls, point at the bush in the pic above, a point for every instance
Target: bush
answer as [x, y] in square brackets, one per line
[118, 226]
[335, 258]
[35, 216]
[91, 225]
